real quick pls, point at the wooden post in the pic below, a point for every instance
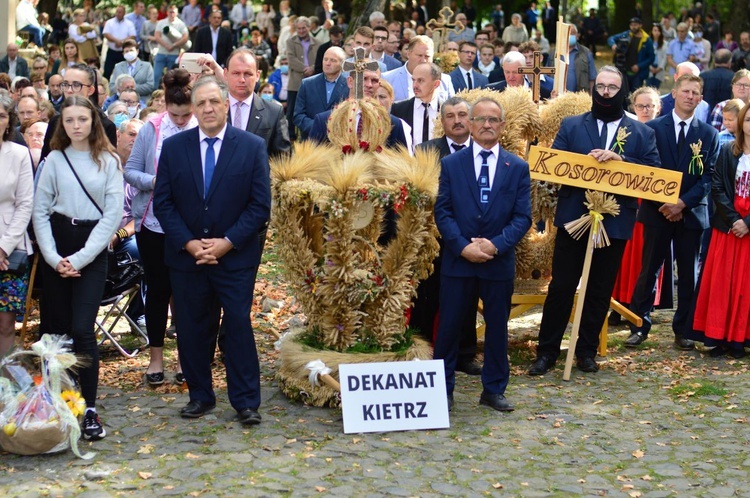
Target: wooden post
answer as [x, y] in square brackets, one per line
[579, 305]
[27, 311]
[562, 57]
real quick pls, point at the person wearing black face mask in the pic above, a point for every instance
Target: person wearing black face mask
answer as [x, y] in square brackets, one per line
[591, 133]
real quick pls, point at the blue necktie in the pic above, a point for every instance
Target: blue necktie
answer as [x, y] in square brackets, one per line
[210, 165]
[484, 178]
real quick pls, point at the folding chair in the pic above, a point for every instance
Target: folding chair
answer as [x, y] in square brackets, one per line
[123, 285]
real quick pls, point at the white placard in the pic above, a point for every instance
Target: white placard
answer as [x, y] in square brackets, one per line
[393, 396]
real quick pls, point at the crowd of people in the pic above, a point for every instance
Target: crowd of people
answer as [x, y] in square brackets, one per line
[97, 123]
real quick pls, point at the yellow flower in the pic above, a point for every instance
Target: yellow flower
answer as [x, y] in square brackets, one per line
[74, 401]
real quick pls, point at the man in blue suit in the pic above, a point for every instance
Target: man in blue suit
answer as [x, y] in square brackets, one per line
[677, 225]
[465, 77]
[593, 133]
[212, 196]
[483, 210]
[319, 131]
[321, 92]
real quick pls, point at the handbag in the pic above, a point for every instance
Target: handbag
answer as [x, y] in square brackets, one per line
[18, 262]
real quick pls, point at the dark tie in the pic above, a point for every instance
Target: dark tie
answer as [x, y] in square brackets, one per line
[468, 78]
[210, 165]
[426, 122]
[603, 137]
[484, 178]
[457, 147]
[681, 137]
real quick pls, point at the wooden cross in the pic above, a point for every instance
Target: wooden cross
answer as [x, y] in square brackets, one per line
[358, 67]
[562, 56]
[440, 29]
[536, 70]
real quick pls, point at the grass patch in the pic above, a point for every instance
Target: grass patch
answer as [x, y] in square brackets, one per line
[697, 390]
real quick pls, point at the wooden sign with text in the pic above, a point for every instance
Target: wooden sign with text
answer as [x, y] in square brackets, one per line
[614, 177]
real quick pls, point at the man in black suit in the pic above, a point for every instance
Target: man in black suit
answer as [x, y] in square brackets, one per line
[454, 115]
[80, 79]
[421, 111]
[212, 196]
[214, 40]
[264, 118]
[678, 225]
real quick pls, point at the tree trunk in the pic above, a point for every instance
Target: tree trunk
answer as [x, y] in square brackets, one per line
[648, 18]
[739, 20]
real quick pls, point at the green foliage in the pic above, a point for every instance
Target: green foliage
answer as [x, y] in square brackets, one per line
[366, 344]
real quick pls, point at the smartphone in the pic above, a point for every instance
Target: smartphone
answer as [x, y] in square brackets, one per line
[188, 61]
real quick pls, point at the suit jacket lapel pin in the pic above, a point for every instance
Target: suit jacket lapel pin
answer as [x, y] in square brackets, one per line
[620, 139]
[696, 162]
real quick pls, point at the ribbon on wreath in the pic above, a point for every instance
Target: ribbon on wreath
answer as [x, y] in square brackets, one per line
[598, 204]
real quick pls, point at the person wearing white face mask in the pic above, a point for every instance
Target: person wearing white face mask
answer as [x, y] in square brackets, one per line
[142, 72]
[131, 101]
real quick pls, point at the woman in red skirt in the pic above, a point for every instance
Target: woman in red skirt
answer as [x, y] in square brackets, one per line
[722, 310]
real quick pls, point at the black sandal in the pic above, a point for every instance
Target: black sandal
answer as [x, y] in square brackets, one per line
[155, 379]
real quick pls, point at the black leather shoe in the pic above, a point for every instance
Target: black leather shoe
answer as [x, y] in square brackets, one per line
[248, 416]
[683, 344]
[155, 379]
[635, 339]
[542, 365]
[496, 402]
[196, 409]
[587, 364]
[450, 402]
[472, 367]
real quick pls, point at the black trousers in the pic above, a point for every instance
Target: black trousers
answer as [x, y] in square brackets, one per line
[69, 306]
[291, 100]
[158, 285]
[567, 266]
[657, 240]
[113, 57]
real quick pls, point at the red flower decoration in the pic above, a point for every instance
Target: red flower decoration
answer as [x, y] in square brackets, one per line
[364, 145]
[347, 149]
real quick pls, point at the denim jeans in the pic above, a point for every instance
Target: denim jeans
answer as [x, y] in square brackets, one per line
[162, 62]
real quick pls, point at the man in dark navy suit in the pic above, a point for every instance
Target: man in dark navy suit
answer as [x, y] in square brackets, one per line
[677, 225]
[593, 133]
[321, 92]
[204, 39]
[454, 115]
[212, 196]
[482, 211]
[319, 131]
[465, 77]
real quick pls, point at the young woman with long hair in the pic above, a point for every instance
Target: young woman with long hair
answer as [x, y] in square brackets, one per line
[77, 208]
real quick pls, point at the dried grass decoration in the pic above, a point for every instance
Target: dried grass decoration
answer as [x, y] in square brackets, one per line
[446, 60]
[373, 131]
[599, 205]
[328, 211]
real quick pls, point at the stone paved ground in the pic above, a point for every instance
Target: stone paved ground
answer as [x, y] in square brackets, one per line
[652, 422]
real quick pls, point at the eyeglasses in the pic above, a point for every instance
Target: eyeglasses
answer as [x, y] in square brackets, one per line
[487, 119]
[468, 52]
[742, 86]
[76, 85]
[641, 107]
[601, 87]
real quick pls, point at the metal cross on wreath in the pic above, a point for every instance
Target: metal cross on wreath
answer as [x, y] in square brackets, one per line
[536, 71]
[358, 67]
[440, 29]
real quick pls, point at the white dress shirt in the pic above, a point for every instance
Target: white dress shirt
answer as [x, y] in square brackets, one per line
[677, 120]
[611, 130]
[451, 142]
[204, 148]
[491, 161]
[214, 41]
[120, 30]
[418, 118]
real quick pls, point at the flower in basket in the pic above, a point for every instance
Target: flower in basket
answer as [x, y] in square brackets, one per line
[75, 402]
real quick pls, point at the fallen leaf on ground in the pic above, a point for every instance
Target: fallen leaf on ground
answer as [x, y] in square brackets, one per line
[145, 475]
